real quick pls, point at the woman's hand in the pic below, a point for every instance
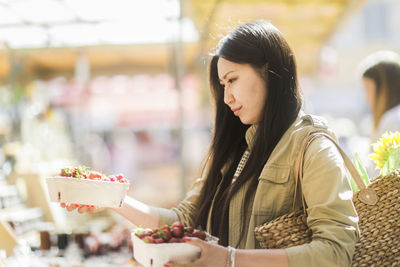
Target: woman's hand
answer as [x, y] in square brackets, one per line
[81, 208]
[211, 254]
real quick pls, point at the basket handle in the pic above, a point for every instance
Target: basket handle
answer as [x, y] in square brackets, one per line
[365, 194]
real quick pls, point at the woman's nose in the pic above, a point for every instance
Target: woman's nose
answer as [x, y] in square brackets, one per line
[228, 97]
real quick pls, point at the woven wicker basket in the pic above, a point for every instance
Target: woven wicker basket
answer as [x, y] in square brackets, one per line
[378, 208]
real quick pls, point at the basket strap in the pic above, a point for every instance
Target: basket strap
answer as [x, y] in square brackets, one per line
[365, 195]
[298, 171]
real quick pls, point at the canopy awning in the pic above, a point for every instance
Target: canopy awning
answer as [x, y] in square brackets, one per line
[307, 25]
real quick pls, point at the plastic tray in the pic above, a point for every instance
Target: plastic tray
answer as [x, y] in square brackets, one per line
[156, 255]
[86, 191]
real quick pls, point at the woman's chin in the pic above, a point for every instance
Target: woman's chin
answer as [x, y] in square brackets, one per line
[245, 121]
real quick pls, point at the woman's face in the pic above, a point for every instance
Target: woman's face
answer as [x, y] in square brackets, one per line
[245, 90]
[370, 91]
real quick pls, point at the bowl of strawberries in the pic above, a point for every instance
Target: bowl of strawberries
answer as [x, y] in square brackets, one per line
[156, 247]
[81, 185]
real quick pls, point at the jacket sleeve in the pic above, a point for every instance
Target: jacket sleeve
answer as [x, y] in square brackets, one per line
[185, 210]
[332, 217]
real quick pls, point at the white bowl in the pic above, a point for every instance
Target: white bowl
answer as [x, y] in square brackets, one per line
[86, 191]
[156, 255]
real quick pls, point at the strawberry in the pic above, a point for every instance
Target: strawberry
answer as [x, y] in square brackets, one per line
[148, 239]
[158, 241]
[177, 224]
[165, 234]
[66, 172]
[105, 178]
[119, 176]
[165, 227]
[189, 229]
[141, 235]
[177, 232]
[80, 172]
[84, 172]
[199, 234]
[155, 235]
[94, 174]
[149, 231]
[123, 180]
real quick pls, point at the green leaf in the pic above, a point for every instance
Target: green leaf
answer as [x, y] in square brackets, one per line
[385, 168]
[361, 169]
[392, 162]
[354, 186]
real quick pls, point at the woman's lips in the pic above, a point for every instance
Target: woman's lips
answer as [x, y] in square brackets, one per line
[236, 110]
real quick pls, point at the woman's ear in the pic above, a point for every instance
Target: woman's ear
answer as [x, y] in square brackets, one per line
[264, 71]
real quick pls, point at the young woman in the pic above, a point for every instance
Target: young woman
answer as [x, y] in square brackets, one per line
[249, 175]
[381, 80]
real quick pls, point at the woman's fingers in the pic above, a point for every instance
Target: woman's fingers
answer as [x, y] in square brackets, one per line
[171, 264]
[71, 207]
[81, 208]
[195, 241]
[93, 209]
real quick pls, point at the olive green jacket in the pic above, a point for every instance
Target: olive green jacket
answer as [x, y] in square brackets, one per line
[326, 188]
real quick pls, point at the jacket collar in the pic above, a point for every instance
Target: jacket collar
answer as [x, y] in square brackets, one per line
[251, 131]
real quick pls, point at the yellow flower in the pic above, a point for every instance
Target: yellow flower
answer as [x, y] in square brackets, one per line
[384, 147]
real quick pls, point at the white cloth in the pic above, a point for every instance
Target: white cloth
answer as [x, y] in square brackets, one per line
[390, 121]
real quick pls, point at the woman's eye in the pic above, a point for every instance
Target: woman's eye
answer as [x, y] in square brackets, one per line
[231, 80]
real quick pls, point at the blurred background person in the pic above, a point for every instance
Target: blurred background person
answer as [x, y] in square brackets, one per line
[381, 80]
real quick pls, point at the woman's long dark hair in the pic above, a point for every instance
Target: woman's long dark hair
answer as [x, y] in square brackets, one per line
[263, 47]
[386, 76]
